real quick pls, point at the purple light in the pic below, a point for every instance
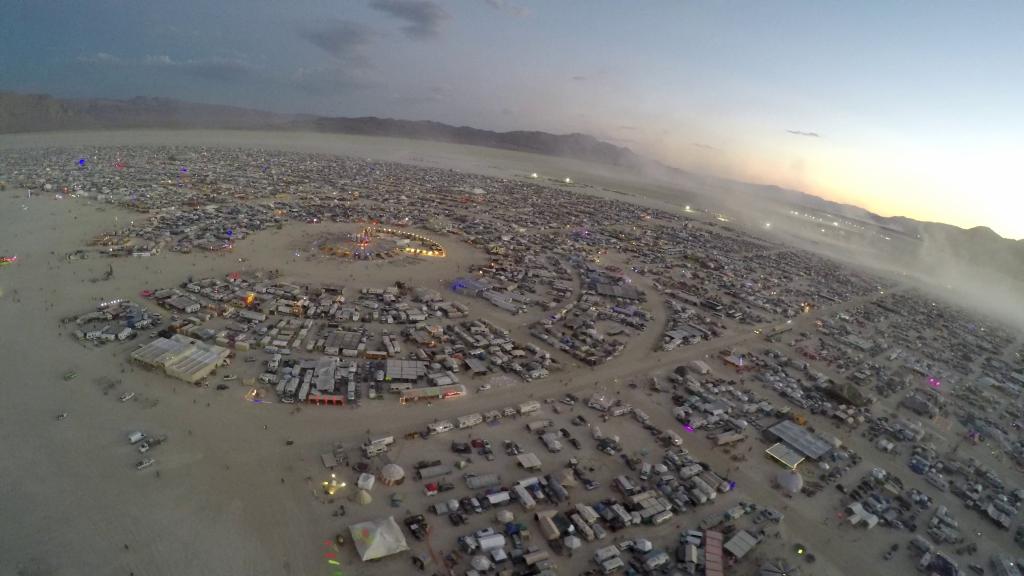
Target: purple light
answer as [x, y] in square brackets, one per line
[687, 427]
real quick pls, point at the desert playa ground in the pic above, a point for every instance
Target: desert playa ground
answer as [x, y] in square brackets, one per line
[229, 496]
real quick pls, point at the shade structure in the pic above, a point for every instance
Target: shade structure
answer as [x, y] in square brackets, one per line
[378, 538]
[362, 497]
[572, 542]
[779, 567]
[505, 516]
[790, 481]
[392, 475]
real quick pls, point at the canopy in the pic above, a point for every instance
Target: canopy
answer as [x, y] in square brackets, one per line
[572, 542]
[378, 538]
[362, 497]
[779, 568]
[505, 516]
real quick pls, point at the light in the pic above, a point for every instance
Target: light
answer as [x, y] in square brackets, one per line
[534, 175]
[568, 181]
[767, 224]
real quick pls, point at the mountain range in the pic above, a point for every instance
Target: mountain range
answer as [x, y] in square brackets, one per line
[40, 112]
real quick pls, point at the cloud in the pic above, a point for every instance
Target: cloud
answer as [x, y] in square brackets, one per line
[423, 18]
[703, 146]
[342, 39]
[335, 78]
[510, 8]
[802, 133]
[99, 58]
[215, 68]
[208, 68]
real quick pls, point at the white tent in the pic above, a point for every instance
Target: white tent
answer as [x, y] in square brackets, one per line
[378, 538]
[572, 542]
[366, 481]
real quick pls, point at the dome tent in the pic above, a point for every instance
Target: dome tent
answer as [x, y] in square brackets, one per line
[392, 474]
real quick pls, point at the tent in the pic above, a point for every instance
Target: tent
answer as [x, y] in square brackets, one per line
[529, 461]
[572, 542]
[480, 563]
[366, 481]
[392, 474]
[362, 497]
[378, 538]
[505, 516]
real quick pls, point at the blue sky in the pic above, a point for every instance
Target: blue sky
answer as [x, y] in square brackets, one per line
[908, 108]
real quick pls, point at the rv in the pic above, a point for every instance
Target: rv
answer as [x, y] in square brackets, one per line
[528, 407]
[469, 420]
[435, 428]
[606, 553]
[612, 565]
[538, 425]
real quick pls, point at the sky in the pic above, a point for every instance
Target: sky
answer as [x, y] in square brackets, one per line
[904, 108]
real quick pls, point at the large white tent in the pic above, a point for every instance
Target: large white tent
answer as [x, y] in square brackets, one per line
[378, 538]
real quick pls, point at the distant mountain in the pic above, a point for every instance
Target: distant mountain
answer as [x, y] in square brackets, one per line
[38, 112]
[41, 113]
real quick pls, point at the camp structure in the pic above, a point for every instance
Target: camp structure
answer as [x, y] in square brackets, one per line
[375, 539]
[392, 475]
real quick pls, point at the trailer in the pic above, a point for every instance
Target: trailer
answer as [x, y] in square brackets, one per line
[434, 471]
[482, 481]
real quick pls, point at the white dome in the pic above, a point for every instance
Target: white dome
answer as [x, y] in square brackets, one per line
[790, 481]
[392, 474]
